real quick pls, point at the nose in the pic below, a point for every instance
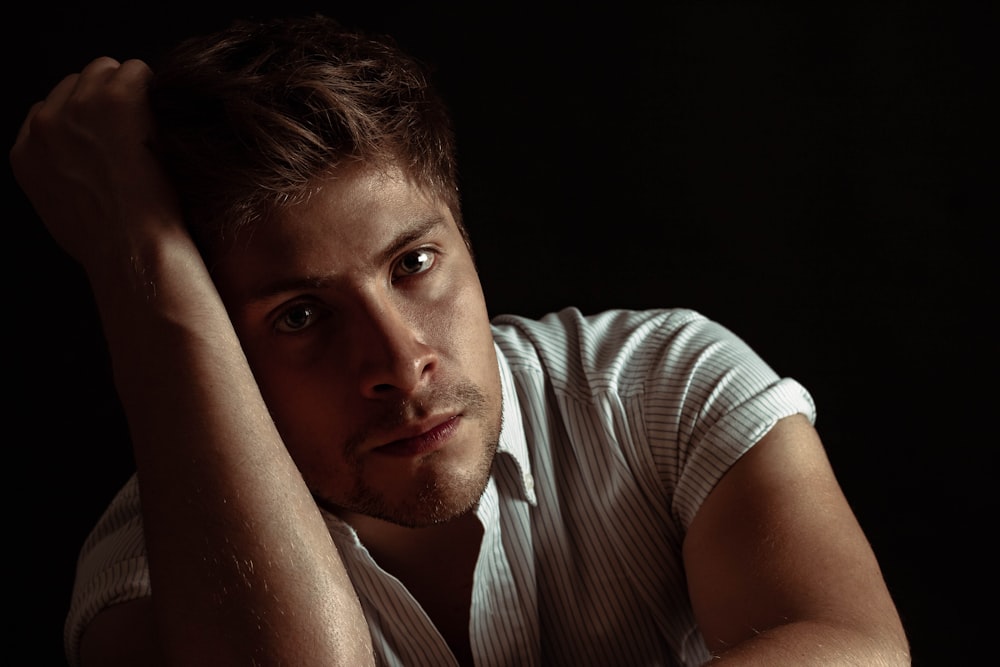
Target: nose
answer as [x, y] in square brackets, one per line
[393, 358]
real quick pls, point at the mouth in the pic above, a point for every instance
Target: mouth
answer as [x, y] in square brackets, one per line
[426, 437]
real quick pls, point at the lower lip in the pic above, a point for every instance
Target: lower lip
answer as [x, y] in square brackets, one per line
[423, 443]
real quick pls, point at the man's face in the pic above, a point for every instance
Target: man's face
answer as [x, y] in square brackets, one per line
[363, 319]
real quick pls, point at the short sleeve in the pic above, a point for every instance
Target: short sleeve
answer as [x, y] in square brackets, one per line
[111, 568]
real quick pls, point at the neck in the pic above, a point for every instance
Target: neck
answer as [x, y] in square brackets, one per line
[394, 546]
[437, 565]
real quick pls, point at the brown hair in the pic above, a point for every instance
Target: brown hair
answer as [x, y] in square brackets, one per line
[250, 117]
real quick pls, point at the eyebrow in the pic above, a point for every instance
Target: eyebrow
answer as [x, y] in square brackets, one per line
[302, 283]
[416, 231]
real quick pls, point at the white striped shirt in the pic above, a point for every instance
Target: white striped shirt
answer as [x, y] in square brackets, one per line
[615, 428]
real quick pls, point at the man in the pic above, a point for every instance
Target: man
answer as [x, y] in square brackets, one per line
[341, 460]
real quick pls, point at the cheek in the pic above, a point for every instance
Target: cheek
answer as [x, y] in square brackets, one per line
[458, 321]
[467, 328]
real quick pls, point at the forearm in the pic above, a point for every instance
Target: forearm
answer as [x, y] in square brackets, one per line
[242, 566]
[806, 643]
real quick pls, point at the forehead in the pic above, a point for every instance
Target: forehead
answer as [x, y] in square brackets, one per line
[343, 191]
[347, 224]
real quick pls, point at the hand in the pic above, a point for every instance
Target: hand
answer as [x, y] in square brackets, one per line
[82, 157]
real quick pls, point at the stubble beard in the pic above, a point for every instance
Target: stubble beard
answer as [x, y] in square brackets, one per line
[438, 499]
[441, 495]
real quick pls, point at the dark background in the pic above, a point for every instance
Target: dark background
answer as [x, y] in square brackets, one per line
[807, 177]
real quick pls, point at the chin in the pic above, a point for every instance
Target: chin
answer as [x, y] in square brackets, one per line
[441, 498]
[439, 492]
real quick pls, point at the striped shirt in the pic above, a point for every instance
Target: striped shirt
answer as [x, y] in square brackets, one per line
[615, 428]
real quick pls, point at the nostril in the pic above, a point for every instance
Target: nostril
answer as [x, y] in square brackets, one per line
[392, 356]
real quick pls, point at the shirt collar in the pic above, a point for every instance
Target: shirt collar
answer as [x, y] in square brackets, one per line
[513, 442]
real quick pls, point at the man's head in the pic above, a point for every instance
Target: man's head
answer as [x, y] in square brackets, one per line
[251, 117]
[316, 168]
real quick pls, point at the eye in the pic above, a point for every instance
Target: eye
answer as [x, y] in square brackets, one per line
[297, 317]
[414, 262]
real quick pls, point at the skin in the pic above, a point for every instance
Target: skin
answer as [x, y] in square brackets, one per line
[241, 559]
[373, 265]
[779, 570]
[245, 411]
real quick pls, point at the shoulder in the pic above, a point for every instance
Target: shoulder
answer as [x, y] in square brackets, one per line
[597, 339]
[570, 326]
[622, 349]
[111, 567]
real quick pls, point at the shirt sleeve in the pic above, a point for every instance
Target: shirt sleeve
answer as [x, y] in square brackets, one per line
[682, 396]
[702, 398]
[111, 567]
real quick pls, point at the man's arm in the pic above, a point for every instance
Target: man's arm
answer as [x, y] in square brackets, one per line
[779, 569]
[242, 567]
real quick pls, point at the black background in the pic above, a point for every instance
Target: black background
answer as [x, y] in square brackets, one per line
[807, 177]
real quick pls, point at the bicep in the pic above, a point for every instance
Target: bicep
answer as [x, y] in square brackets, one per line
[776, 541]
[122, 634]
